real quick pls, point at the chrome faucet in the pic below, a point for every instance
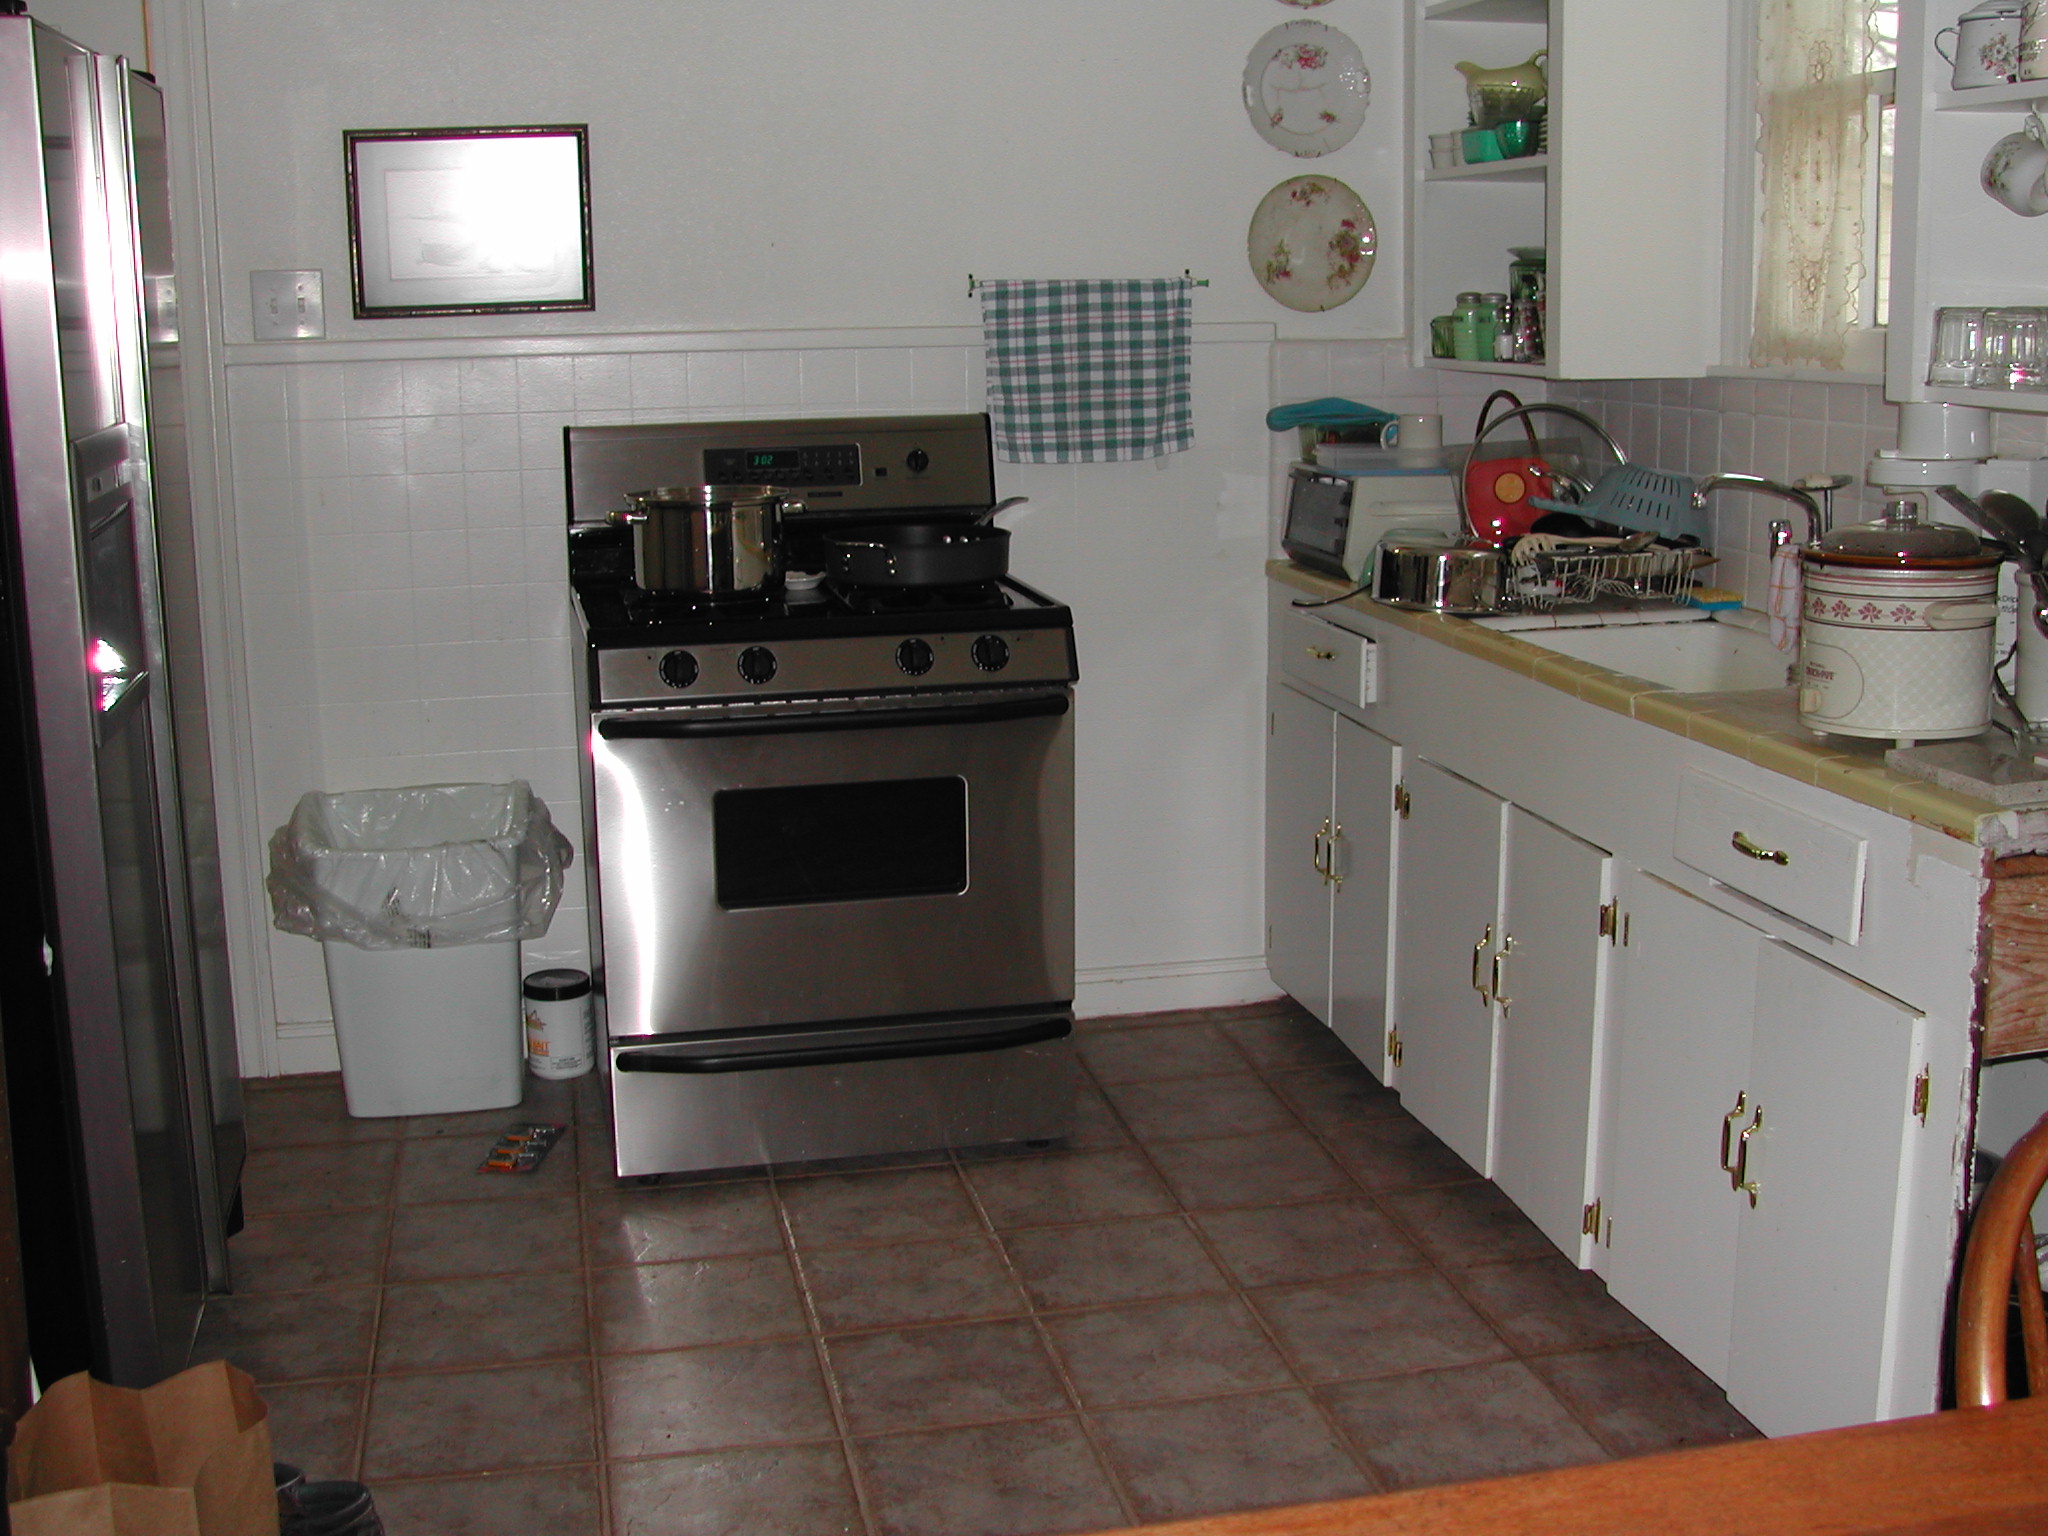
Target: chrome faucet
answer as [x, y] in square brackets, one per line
[1763, 487]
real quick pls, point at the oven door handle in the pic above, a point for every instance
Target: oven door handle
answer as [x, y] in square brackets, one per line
[680, 1059]
[633, 727]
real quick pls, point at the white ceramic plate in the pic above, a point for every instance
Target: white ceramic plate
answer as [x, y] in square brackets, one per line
[1306, 88]
[1312, 243]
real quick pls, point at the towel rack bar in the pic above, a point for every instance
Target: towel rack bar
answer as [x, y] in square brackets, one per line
[1187, 276]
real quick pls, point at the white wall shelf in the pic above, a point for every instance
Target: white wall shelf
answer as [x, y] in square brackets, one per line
[1527, 168]
[1519, 370]
[1993, 98]
[1487, 10]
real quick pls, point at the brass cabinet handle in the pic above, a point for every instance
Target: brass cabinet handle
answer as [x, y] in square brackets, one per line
[1728, 1135]
[1332, 873]
[1479, 954]
[1322, 851]
[1743, 1182]
[1500, 956]
[1741, 844]
[1320, 654]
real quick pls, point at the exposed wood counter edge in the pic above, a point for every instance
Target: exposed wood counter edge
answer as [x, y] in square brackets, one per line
[1974, 1470]
[1763, 728]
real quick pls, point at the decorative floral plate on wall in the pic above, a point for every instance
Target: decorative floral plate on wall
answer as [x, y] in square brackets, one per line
[1311, 243]
[1306, 88]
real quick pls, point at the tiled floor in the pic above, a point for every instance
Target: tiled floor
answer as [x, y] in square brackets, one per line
[1250, 1279]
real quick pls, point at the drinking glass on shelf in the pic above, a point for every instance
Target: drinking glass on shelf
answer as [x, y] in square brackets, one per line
[2027, 349]
[1993, 368]
[1958, 344]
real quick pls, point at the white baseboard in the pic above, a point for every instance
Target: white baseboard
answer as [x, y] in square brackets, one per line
[306, 1047]
[1172, 985]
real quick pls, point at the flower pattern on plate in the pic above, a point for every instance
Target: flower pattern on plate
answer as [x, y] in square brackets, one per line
[1312, 243]
[1306, 88]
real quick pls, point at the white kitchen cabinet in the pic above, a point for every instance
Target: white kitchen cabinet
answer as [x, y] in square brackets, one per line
[1557, 939]
[1447, 921]
[1631, 185]
[1762, 1103]
[1329, 853]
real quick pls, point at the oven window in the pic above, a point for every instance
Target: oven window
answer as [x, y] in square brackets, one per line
[840, 842]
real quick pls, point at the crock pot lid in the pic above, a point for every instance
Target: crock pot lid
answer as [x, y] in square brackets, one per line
[1901, 538]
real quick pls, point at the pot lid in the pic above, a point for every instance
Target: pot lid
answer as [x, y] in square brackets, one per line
[1900, 538]
[1990, 10]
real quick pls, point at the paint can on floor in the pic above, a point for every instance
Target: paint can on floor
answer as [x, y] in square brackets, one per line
[558, 1024]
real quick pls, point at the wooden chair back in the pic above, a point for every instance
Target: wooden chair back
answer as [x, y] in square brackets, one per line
[1998, 1256]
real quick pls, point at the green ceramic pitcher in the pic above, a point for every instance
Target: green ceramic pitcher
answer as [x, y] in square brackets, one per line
[1504, 95]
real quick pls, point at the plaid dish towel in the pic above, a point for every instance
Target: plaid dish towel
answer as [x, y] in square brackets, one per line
[1086, 370]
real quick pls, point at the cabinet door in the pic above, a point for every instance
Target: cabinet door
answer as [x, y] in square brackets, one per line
[1446, 929]
[1298, 765]
[1831, 1091]
[1552, 981]
[1687, 993]
[1361, 896]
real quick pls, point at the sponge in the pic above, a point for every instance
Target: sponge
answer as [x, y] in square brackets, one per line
[1715, 598]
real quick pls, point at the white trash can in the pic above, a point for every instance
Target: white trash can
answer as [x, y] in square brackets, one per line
[427, 1031]
[419, 898]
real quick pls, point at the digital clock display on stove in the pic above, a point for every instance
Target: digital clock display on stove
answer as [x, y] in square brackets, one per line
[825, 464]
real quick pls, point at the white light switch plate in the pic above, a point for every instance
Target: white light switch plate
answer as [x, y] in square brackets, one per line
[287, 306]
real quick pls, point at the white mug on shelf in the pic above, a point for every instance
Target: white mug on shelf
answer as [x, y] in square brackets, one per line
[2016, 170]
[1987, 45]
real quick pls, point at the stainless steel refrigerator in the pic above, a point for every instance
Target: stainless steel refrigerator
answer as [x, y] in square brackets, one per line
[115, 1004]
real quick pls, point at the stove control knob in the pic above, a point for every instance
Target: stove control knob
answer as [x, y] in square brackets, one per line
[991, 653]
[757, 664]
[678, 669]
[914, 657]
[918, 461]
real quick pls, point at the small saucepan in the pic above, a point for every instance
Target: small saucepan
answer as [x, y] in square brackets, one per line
[922, 554]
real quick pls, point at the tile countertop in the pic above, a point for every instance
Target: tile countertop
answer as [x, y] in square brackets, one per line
[1761, 727]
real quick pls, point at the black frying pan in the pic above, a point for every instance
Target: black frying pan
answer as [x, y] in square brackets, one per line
[919, 555]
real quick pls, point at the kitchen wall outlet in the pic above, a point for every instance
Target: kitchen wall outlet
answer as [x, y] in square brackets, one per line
[287, 306]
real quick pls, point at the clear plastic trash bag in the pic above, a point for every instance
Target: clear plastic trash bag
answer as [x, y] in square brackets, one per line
[418, 868]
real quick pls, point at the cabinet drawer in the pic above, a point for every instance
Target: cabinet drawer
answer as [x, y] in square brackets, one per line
[1805, 867]
[1316, 652]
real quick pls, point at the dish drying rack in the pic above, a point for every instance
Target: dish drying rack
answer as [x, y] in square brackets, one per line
[1544, 580]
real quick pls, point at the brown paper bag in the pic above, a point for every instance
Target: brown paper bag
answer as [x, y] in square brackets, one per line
[187, 1457]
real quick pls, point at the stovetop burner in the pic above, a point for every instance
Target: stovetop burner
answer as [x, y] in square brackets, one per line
[970, 597]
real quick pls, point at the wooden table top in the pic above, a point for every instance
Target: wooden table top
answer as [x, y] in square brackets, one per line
[1971, 1472]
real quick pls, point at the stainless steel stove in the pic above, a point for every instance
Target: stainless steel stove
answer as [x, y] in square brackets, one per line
[830, 832]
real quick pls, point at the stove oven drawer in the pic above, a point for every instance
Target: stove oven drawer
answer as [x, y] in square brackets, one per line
[784, 869]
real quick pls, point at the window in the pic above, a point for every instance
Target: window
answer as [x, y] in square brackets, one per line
[1823, 267]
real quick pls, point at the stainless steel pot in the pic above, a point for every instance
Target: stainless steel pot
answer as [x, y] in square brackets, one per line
[711, 540]
[1442, 578]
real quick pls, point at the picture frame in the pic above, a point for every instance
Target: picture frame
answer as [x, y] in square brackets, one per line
[469, 221]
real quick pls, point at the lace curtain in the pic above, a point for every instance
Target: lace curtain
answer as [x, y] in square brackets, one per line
[1813, 62]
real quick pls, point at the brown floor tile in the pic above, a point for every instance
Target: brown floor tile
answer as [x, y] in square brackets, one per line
[1290, 1244]
[714, 1398]
[297, 1253]
[484, 1320]
[1111, 1262]
[292, 1337]
[1394, 1152]
[787, 1490]
[1377, 1325]
[477, 1237]
[844, 1210]
[1643, 1397]
[1182, 1107]
[1296, 1039]
[1095, 1123]
[1193, 1347]
[908, 1284]
[698, 1301]
[1548, 1304]
[1018, 1479]
[445, 1168]
[451, 1422]
[276, 1183]
[561, 1501]
[1448, 1426]
[1229, 1453]
[547, 1101]
[1060, 1187]
[1159, 1051]
[924, 1378]
[658, 1226]
[1336, 1095]
[1259, 1169]
[314, 1425]
[303, 1111]
[1464, 1224]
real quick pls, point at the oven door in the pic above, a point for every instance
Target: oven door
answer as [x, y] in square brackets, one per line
[758, 870]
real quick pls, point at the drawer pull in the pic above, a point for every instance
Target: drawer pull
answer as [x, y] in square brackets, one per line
[1728, 1136]
[1478, 956]
[1741, 844]
[1744, 1184]
[1320, 654]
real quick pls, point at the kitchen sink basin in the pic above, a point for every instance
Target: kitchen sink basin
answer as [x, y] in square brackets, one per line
[1701, 657]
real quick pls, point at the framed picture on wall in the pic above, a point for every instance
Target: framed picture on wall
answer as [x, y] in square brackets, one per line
[468, 221]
